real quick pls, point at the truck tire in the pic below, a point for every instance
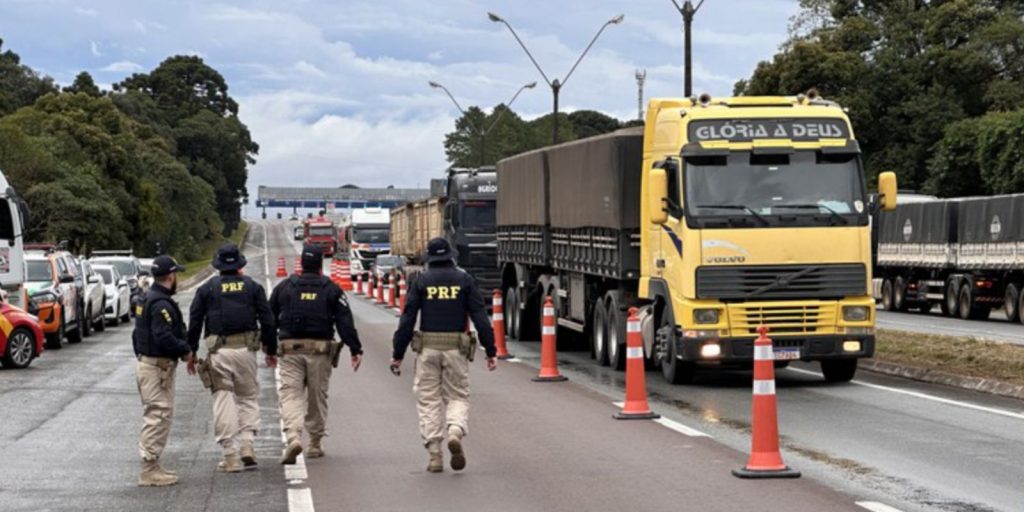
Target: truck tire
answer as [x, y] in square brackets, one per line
[951, 300]
[1011, 302]
[899, 295]
[599, 336]
[75, 336]
[887, 295]
[1020, 307]
[969, 309]
[839, 370]
[675, 371]
[616, 335]
[511, 314]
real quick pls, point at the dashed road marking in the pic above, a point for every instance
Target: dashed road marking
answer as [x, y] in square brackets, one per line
[874, 506]
[300, 500]
[925, 396]
[673, 425]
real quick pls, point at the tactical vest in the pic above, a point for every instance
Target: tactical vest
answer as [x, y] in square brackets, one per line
[231, 311]
[142, 337]
[308, 313]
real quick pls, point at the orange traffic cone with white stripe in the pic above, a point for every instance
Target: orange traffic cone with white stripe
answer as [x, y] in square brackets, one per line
[403, 290]
[380, 290]
[498, 321]
[636, 406]
[281, 271]
[297, 269]
[765, 457]
[392, 287]
[549, 347]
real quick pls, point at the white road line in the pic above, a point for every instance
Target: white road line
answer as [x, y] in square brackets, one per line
[925, 396]
[874, 506]
[300, 500]
[673, 425]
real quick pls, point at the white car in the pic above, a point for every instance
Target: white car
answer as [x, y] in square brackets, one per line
[145, 273]
[95, 300]
[118, 293]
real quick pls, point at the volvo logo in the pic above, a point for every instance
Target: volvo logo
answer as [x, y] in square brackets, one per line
[725, 259]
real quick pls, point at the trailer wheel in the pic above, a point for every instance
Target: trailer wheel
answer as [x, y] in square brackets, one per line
[839, 370]
[599, 336]
[887, 295]
[969, 310]
[511, 309]
[899, 295]
[616, 335]
[1020, 307]
[1011, 302]
[951, 302]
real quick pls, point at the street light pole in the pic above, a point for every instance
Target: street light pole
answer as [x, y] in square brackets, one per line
[688, 11]
[483, 133]
[556, 84]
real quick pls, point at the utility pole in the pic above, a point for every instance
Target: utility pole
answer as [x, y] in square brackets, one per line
[641, 77]
[473, 126]
[688, 11]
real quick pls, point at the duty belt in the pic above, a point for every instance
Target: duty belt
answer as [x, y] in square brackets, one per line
[442, 340]
[248, 340]
[160, 362]
[305, 347]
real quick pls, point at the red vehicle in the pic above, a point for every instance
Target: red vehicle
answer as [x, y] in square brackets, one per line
[321, 231]
[21, 338]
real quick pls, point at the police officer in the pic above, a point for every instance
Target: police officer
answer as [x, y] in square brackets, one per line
[237, 318]
[446, 295]
[309, 308]
[159, 342]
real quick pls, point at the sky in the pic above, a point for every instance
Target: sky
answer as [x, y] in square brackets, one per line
[335, 91]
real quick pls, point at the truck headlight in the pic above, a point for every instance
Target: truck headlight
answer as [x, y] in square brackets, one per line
[855, 313]
[705, 316]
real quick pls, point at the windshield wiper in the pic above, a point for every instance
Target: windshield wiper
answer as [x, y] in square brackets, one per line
[745, 208]
[835, 214]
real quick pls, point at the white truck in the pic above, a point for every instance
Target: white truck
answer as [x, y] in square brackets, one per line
[368, 236]
[13, 213]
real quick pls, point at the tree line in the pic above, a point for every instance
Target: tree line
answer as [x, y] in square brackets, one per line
[159, 161]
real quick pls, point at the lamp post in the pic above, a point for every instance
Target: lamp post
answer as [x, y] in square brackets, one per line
[688, 11]
[483, 133]
[556, 84]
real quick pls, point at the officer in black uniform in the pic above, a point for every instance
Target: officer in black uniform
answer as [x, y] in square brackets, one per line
[237, 318]
[309, 308]
[159, 342]
[446, 295]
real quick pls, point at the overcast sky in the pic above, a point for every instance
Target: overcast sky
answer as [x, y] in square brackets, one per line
[335, 91]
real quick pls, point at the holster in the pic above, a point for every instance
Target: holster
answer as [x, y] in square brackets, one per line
[335, 353]
[464, 342]
[468, 346]
[205, 372]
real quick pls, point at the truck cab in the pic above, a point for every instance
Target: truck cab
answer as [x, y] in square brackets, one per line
[322, 232]
[469, 221]
[13, 215]
[369, 236]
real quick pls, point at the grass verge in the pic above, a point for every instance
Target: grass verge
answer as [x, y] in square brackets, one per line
[958, 355]
[210, 247]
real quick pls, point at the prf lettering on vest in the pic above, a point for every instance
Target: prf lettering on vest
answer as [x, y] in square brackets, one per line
[231, 287]
[307, 296]
[443, 292]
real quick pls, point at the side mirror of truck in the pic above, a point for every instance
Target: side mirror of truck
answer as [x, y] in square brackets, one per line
[657, 192]
[887, 191]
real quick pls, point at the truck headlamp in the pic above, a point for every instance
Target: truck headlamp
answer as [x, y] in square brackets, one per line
[705, 316]
[855, 314]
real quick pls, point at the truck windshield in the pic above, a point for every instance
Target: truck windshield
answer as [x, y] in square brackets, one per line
[478, 215]
[775, 189]
[371, 236]
[6, 220]
[321, 231]
[39, 271]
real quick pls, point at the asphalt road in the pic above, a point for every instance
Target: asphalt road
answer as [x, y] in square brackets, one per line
[997, 328]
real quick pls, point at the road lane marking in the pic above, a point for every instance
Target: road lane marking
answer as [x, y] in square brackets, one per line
[673, 425]
[874, 506]
[925, 396]
[300, 500]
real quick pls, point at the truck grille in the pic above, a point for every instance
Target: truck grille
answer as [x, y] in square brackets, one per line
[768, 282]
[796, 319]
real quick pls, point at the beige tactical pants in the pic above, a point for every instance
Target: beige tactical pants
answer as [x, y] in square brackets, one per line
[156, 388]
[303, 394]
[442, 393]
[236, 410]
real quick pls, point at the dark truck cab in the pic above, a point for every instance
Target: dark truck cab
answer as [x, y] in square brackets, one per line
[470, 223]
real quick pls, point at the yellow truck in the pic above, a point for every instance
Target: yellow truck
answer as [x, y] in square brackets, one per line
[720, 215]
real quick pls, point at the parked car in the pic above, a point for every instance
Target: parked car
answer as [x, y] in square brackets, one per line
[51, 287]
[23, 341]
[127, 265]
[118, 294]
[95, 299]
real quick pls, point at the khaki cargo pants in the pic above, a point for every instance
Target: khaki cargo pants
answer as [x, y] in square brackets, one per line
[236, 409]
[155, 379]
[305, 379]
[441, 386]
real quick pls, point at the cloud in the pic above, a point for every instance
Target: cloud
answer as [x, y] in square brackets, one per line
[94, 47]
[85, 12]
[123, 66]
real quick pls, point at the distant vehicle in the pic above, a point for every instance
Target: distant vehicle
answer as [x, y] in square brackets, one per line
[384, 264]
[117, 292]
[145, 273]
[13, 215]
[95, 300]
[127, 265]
[299, 232]
[294, 218]
[24, 341]
[322, 232]
[51, 286]
[369, 236]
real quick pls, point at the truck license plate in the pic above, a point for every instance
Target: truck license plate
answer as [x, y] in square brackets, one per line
[787, 354]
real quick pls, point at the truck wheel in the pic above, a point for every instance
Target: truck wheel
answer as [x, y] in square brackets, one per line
[674, 370]
[887, 297]
[951, 301]
[599, 337]
[616, 335]
[839, 370]
[75, 336]
[511, 314]
[1011, 302]
[1020, 307]
[969, 309]
[899, 295]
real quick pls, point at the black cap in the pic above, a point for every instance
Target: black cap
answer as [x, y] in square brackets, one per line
[229, 258]
[312, 257]
[164, 265]
[438, 249]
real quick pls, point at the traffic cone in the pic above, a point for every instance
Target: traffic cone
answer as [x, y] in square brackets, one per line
[403, 289]
[371, 283]
[765, 458]
[281, 271]
[380, 290]
[498, 321]
[636, 406]
[391, 291]
[548, 347]
[345, 276]
[297, 269]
